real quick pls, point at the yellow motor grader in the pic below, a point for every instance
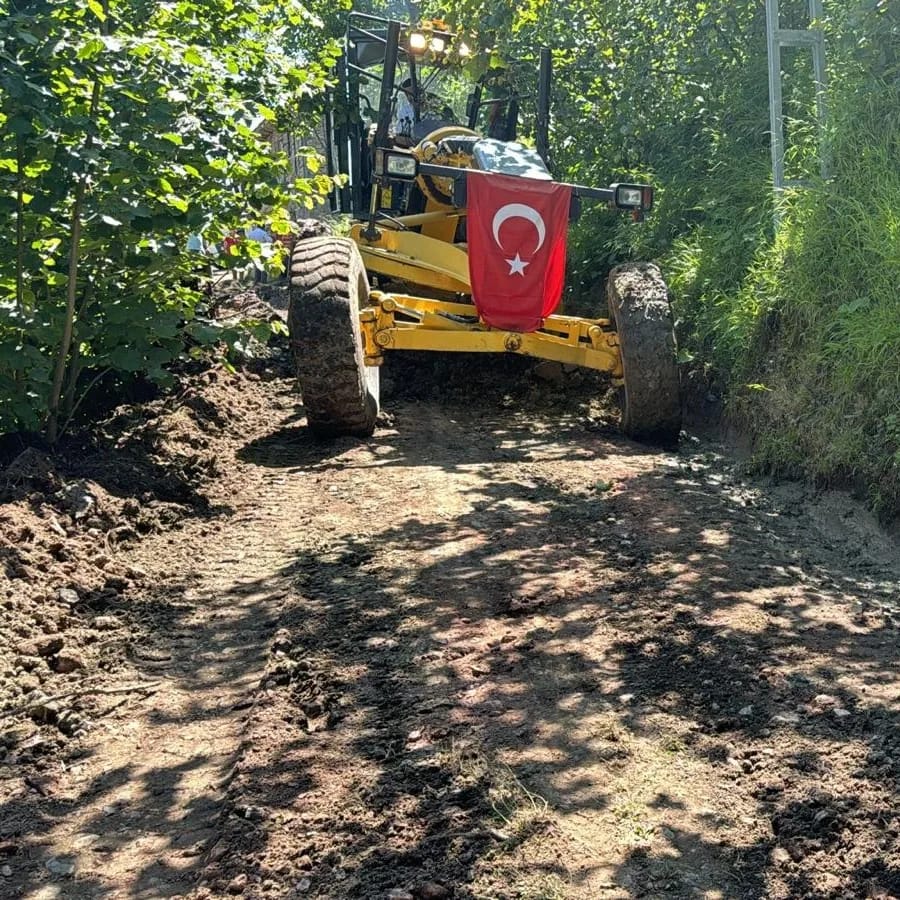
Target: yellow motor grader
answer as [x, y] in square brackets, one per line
[411, 275]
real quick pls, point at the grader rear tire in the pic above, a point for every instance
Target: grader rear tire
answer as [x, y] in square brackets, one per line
[639, 300]
[328, 287]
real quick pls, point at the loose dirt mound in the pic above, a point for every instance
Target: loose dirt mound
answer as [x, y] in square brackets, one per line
[69, 526]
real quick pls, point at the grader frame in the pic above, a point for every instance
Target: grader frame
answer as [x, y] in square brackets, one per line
[416, 258]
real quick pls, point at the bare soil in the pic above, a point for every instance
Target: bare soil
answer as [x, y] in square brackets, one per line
[496, 651]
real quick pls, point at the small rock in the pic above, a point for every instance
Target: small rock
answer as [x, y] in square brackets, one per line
[85, 840]
[787, 718]
[40, 709]
[840, 712]
[106, 623]
[626, 698]
[68, 596]
[548, 370]
[237, 884]
[68, 661]
[47, 645]
[17, 734]
[60, 866]
[303, 885]
[399, 894]
[219, 851]
[6, 872]
[431, 890]
[746, 711]
[282, 640]
[78, 498]
[780, 856]
[824, 701]
[414, 735]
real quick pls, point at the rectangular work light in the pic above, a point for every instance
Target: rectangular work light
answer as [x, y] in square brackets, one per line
[633, 196]
[398, 164]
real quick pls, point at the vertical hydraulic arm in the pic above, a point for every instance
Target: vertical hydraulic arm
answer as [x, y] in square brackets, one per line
[354, 129]
[385, 107]
[329, 146]
[342, 130]
[385, 100]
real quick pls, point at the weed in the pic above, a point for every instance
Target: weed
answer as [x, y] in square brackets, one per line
[520, 812]
[637, 830]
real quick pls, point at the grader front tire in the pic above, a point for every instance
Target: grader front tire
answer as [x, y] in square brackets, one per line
[639, 300]
[328, 287]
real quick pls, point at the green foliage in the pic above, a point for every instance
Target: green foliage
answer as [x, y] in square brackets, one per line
[832, 355]
[125, 126]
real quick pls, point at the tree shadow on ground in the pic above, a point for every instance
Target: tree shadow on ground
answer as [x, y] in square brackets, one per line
[536, 686]
[546, 637]
[211, 667]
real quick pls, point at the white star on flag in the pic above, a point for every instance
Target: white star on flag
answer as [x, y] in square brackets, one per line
[517, 267]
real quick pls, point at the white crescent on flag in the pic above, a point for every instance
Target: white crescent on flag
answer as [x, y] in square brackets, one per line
[519, 211]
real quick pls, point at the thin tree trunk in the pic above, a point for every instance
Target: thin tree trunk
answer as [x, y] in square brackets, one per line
[65, 345]
[68, 397]
[20, 224]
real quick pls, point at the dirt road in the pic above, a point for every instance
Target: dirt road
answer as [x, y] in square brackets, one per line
[496, 652]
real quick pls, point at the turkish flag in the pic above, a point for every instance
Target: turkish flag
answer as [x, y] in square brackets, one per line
[517, 231]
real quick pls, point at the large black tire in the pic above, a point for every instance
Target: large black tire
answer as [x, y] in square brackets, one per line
[328, 287]
[639, 300]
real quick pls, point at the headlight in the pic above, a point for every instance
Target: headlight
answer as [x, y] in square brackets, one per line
[633, 196]
[399, 165]
[417, 42]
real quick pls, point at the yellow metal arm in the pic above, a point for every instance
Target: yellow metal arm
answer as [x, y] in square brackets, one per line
[401, 322]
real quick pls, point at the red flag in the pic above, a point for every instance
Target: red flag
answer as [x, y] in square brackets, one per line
[517, 231]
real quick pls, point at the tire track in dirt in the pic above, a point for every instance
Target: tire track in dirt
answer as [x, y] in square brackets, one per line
[492, 653]
[521, 658]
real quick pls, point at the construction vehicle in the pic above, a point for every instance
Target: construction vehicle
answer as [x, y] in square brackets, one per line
[403, 278]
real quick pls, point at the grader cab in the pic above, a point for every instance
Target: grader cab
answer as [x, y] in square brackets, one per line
[458, 238]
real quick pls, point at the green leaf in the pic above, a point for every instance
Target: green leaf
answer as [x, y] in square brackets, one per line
[176, 202]
[193, 58]
[90, 49]
[97, 9]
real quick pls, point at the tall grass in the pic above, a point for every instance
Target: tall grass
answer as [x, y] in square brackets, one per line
[830, 360]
